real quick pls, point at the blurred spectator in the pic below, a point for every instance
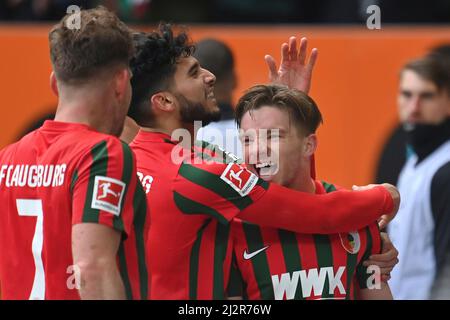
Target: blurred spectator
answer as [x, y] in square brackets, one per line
[181, 11]
[239, 11]
[39, 9]
[415, 11]
[396, 150]
[330, 11]
[421, 230]
[129, 10]
[393, 157]
[442, 52]
[217, 57]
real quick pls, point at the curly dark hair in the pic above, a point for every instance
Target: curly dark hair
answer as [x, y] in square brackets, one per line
[153, 66]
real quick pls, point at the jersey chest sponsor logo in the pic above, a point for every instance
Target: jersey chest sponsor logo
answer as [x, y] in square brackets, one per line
[351, 242]
[239, 178]
[108, 194]
[310, 282]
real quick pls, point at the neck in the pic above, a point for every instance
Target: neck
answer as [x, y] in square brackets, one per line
[425, 139]
[86, 107]
[176, 130]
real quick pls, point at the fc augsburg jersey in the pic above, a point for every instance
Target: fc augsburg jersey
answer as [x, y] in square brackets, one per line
[57, 176]
[190, 206]
[278, 264]
[184, 194]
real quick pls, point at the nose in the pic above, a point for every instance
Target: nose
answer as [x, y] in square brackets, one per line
[209, 77]
[414, 107]
[414, 104]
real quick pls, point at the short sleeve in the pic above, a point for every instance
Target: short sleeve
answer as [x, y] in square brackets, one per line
[103, 186]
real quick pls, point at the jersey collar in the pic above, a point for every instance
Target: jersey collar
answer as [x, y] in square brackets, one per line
[53, 125]
[154, 137]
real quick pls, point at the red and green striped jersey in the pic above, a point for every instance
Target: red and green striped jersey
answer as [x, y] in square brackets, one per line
[186, 188]
[278, 264]
[55, 177]
[190, 207]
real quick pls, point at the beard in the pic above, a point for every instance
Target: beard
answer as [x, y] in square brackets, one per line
[195, 111]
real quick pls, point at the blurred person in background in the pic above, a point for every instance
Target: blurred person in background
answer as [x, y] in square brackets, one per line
[129, 10]
[40, 9]
[421, 231]
[33, 10]
[217, 57]
[329, 11]
[396, 149]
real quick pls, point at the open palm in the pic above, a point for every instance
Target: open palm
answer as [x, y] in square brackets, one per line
[295, 71]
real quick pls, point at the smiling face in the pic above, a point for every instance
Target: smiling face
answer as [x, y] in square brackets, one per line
[193, 88]
[289, 145]
[278, 126]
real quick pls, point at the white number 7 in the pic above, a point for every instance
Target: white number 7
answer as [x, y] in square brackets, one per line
[33, 208]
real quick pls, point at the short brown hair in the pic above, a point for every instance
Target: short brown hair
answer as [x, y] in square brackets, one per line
[432, 68]
[302, 109]
[102, 41]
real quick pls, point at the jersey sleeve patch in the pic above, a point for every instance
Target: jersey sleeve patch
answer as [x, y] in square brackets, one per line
[108, 194]
[239, 178]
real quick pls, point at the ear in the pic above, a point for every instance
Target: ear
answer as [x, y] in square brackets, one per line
[163, 101]
[54, 84]
[121, 83]
[310, 145]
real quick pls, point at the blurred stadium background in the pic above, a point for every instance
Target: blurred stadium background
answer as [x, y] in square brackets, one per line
[354, 83]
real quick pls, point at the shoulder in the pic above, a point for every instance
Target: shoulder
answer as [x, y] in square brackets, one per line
[440, 186]
[96, 142]
[7, 150]
[442, 176]
[100, 152]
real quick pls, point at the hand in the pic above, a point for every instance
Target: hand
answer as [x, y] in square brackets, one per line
[386, 260]
[294, 71]
[395, 195]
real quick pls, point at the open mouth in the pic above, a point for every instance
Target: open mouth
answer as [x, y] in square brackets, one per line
[210, 94]
[265, 169]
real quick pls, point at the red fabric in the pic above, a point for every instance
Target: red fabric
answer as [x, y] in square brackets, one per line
[64, 202]
[307, 213]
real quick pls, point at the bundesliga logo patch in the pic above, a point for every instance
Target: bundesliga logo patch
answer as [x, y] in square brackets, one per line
[108, 194]
[239, 178]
